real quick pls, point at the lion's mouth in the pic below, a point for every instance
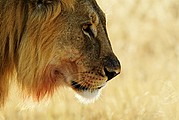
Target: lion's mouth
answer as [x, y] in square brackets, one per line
[87, 85]
[79, 87]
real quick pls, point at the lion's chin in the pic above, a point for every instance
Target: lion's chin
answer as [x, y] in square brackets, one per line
[87, 97]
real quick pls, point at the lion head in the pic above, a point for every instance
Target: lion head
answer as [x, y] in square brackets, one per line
[50, 43]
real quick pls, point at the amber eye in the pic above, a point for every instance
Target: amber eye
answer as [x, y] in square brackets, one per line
[88, 30]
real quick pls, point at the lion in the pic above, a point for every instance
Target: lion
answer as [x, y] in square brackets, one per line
[45, 44]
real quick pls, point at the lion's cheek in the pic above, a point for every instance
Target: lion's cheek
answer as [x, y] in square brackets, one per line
[64, 73]
[48, 83]
[53, 77]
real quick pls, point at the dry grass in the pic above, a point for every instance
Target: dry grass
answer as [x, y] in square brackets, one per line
[145, 37]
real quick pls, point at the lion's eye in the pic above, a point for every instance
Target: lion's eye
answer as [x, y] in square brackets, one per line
[88, 30]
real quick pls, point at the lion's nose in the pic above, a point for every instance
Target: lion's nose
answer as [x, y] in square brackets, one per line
[112, 67]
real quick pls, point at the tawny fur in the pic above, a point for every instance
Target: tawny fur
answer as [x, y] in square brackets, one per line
[24, 56]
[45, 44]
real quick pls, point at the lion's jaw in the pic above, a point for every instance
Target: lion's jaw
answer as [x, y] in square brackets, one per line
[88, 96]
[87, 90]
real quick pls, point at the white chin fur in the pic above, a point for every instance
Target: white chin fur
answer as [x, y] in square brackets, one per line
[87, 97]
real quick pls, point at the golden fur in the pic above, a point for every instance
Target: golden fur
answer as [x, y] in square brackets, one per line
[31, 50]
[13, 18]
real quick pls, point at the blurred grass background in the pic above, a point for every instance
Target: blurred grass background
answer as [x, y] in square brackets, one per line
[145, 37]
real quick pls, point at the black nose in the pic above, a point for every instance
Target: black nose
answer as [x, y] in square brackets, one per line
[112, 66]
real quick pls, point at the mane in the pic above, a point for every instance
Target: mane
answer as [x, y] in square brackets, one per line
[21, 57]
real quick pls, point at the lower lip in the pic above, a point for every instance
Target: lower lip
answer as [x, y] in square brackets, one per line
[100, 87]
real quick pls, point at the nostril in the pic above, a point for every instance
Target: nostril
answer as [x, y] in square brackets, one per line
[112, 66]
[110, 74]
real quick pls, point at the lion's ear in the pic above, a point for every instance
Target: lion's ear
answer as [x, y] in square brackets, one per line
[41, 3]
[45, 2]
[66, 4]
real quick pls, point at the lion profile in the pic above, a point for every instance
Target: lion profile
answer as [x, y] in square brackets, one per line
[45, 44]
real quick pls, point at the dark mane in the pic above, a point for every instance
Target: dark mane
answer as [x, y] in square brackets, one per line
[16, 18]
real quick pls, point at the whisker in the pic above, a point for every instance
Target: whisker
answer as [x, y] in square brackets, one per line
[81, 85]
